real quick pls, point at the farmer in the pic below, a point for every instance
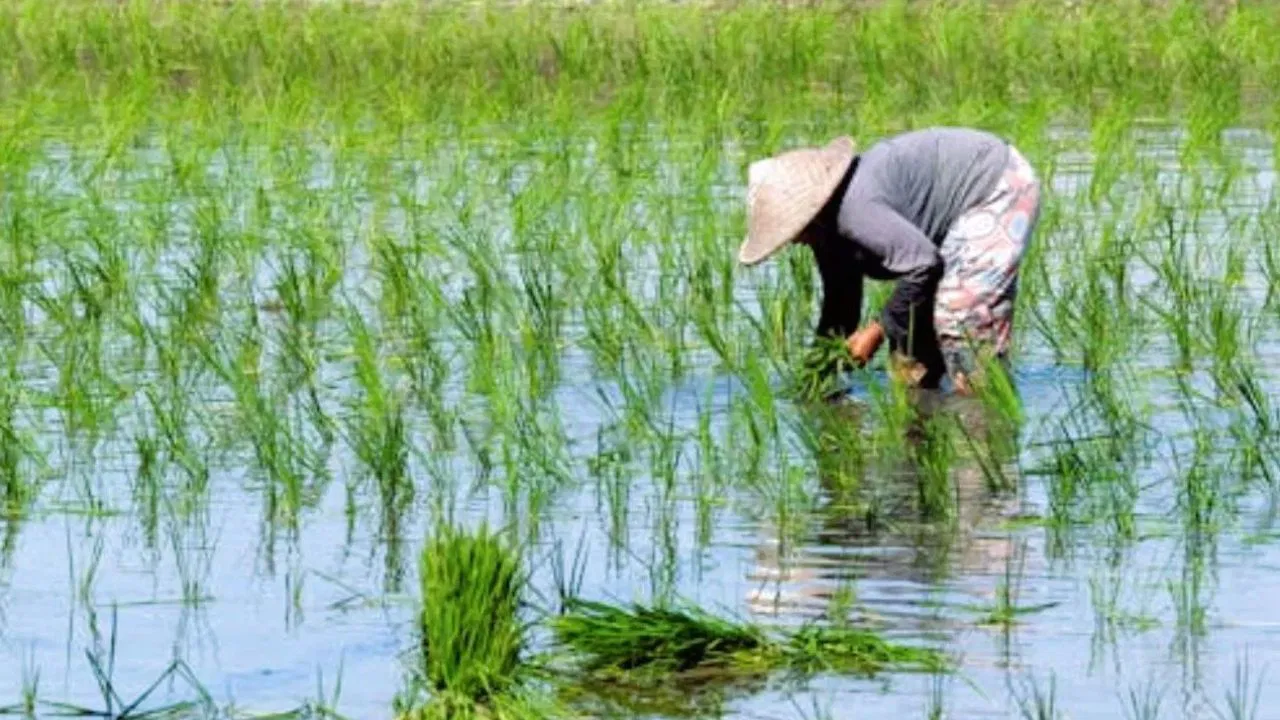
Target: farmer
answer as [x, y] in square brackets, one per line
[946, 213]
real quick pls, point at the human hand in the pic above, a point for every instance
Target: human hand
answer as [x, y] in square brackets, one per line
[864, 343]
[910, 371]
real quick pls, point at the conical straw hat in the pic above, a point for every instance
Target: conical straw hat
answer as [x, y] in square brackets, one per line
[785, 192]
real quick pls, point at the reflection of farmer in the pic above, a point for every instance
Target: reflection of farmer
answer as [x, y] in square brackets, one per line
[871, 525]
[946, 212]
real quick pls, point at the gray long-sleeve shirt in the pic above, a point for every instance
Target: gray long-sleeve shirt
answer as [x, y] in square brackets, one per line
[905, 194]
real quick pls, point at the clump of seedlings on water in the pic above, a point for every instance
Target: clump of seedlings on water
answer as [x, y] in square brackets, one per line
[643, 644]
[472, 638]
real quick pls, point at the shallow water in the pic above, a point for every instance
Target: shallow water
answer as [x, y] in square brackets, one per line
[260, 612]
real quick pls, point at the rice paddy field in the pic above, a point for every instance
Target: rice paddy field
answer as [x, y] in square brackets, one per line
[391, 360]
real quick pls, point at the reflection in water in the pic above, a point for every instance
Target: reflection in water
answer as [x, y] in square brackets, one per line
[914, 512]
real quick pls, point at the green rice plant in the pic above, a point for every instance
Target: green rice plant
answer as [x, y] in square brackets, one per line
[1174, 269]
[709, 479]
[609, 468]
[427, 369]
[994, 443]
[1090, 314]
[1225, 328]
[542, 319]
[16, 479]
[1252, 429]
[541, 60]
[834, 436]
[1268, 222]
[662, 640]
[933, 451]
[900, 420]
[536, 463]
[280, 454]
[471, 634]
[1006, 610]
[478, 315]
[171, 409]
[376, 429]
[304, 297]
[649, 643]
[1102, 440]
[1200, 498]
[1187, 595]
[851, 650]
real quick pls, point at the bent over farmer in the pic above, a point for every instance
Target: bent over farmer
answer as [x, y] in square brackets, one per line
[945, 213]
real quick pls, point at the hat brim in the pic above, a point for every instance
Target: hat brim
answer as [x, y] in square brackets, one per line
[790, 192]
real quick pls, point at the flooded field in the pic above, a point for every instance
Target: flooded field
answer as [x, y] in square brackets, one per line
[265, 339]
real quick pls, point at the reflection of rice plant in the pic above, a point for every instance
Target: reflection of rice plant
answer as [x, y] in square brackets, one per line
[1144, 705]
[1035, 703]
[1241, 699]
[102, 663]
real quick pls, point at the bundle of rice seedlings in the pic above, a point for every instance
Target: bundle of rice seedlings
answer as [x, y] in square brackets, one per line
[471, 634]
[661, 639]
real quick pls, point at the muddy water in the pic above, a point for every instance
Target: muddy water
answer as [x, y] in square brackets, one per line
[263, 615]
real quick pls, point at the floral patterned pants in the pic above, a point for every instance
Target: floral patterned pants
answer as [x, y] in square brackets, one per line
[982, 254]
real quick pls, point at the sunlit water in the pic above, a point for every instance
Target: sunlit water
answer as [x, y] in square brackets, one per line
[271, 615]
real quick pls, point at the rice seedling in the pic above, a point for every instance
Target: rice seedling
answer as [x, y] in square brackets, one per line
[846, 649]
[376, 429]
[934, 452]
[641, 644]
[471, 634]
[658, 639]
[15, 449]
[1006, 610]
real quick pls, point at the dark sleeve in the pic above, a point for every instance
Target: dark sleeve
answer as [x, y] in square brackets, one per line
[841, 287]
[908, 315]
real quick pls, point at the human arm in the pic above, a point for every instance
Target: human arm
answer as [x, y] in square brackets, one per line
[908, 256]
[841, 304]
[842, 285]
